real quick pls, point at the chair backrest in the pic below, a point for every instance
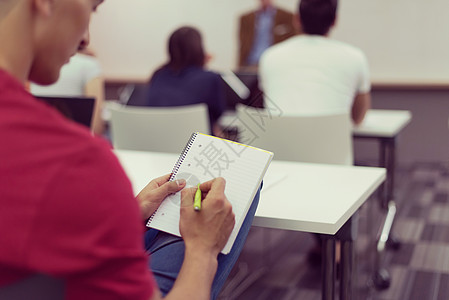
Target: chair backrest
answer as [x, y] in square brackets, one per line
[160, 129]
[316, 139]
[37, 287]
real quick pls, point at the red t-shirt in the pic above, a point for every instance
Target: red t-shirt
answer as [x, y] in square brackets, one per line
[67, 207]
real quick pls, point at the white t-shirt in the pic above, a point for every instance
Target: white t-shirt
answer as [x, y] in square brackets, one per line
[312, 75]
[73, 78]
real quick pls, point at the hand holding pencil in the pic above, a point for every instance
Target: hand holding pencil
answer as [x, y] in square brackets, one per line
[208, 228]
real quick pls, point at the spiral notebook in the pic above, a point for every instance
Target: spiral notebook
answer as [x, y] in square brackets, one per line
[206, 157]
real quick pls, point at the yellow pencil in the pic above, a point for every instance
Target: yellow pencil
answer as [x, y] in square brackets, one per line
[197, 201]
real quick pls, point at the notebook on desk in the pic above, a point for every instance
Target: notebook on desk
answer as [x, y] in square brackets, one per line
[206, 157]
[78, 109]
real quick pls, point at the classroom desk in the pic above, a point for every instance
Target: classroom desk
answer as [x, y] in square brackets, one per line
[296, 196]
[384, 126]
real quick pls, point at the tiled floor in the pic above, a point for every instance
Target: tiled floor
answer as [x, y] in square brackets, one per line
[273, 264]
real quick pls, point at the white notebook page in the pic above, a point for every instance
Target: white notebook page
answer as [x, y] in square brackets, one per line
[242, 167]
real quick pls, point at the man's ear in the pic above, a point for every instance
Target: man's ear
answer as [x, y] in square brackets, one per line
[44, 7]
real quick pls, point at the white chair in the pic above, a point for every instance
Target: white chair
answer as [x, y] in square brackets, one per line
[316, 139]
[160, 129]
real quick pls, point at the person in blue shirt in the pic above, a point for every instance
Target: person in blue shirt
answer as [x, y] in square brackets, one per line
[183, 80]
[262, 28]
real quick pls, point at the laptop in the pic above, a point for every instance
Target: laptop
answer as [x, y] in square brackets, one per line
[78, 109]
[242, 87]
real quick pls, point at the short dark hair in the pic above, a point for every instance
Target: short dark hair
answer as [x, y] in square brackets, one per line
[185, 48]
[317, 16]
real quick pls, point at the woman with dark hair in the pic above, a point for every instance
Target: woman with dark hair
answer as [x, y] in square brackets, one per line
[183, 80]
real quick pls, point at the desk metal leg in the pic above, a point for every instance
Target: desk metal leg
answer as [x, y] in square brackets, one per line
[382, 278]
[387, 159]
[383, 163]
[391, 168]
[328, 267]
[389, 205]
[347, 263]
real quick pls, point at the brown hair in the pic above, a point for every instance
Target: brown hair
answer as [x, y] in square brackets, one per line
[185, 48]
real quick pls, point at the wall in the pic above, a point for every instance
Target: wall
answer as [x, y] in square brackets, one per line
[426, 138]
[406, 41]
[130, 37]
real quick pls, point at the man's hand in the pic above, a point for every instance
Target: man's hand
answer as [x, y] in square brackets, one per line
[207, 230]
[152, 195]
[361, 104]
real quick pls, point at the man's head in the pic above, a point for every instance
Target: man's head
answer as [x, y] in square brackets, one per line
[49, 33]
[266, 3]
[317, 16]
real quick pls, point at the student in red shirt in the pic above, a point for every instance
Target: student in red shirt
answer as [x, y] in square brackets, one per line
[68, 210]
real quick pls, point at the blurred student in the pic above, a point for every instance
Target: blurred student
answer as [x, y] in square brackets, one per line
[68, 209]
[82, 76]
[261, 28]
[183, 80]
[312, 73]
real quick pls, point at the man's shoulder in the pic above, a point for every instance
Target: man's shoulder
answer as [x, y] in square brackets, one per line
[35, 127]
[248, 15]
[53, 151]
[347, 48]
[304, 41]
[283, 12]
[281, 46]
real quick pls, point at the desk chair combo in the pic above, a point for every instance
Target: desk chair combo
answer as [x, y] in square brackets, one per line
[159, 129]
[307, 139]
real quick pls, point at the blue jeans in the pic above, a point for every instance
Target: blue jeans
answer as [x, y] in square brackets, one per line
[167, 254]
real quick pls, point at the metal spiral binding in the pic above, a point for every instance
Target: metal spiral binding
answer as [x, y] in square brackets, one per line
[178, 165]
[183, 156]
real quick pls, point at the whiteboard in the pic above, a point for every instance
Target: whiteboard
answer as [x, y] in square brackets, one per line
[406, 41]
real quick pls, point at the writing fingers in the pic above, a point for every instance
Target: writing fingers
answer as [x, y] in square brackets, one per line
[216, 185]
